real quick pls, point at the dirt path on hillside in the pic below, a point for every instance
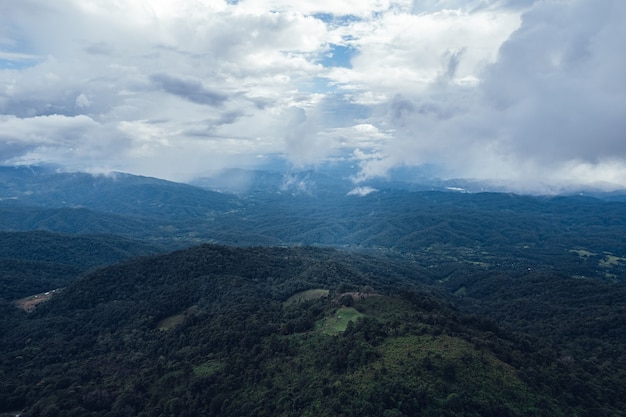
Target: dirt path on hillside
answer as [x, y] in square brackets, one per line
[30, 303]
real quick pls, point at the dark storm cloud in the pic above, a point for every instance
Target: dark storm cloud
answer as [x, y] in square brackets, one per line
[558, 86]
[550, 109]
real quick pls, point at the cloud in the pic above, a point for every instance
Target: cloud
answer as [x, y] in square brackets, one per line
[82, 101]
[527, 92]
[69, 141]
[556, 84]
[548, 111]
[189, 89]
[362, 191]
[303, 146]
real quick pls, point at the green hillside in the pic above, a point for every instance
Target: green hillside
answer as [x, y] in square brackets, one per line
[33, 262]
[119, 193]
[431, 303]
[209, 331]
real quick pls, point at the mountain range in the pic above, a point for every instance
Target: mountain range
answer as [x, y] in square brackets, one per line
[268, 293]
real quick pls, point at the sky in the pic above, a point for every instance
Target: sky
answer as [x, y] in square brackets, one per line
[529, 94]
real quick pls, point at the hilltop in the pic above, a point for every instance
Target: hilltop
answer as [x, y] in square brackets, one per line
[209, 331]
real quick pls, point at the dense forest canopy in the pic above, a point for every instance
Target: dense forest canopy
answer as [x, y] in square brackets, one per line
[209, 330]
[395, 303]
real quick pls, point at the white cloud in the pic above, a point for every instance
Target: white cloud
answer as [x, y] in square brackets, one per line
[548, 112]
[82, 101]
[362, 191]
[519, 90]
[360, 8]
[408, 53]
[73, 142]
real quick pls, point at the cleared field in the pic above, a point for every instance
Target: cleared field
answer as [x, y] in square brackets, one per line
[208, 368]
[307, 295]
[170, 322]
[338, 322]
[582, 253]
[29, 304]
[611, 261]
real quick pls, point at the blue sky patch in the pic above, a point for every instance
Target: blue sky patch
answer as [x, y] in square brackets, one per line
[17, 55]
[319, 85]
[16, 65]
[338, 56]
[337, 20]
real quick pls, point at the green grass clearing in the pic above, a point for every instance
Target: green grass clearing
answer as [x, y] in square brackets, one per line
[582, 253]
[481, 264]
[170, 322]
[611, 261]
[208, 368]
[338, 322]
[307, 295]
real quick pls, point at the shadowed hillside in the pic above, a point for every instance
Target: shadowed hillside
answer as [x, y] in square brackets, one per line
[34, 262]
[208, 331]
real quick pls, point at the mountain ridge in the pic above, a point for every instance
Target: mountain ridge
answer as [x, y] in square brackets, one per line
[524, 293]
[238, 349]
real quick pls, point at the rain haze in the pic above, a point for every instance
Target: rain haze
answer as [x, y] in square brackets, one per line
[530, 94]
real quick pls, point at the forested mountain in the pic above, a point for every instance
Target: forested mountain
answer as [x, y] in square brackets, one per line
[217, 331]
[17, 217]
[118, 193]
[34, 262]
[490, 226]
[486, 303]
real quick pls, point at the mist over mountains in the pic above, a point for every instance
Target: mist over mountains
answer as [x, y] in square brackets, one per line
[52, 187]
[178, 299]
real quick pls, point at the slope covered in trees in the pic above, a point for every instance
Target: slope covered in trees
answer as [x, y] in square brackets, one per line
[208, 331]
[119, 193]
[489, 304]
[491, 228]
[33, 262]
